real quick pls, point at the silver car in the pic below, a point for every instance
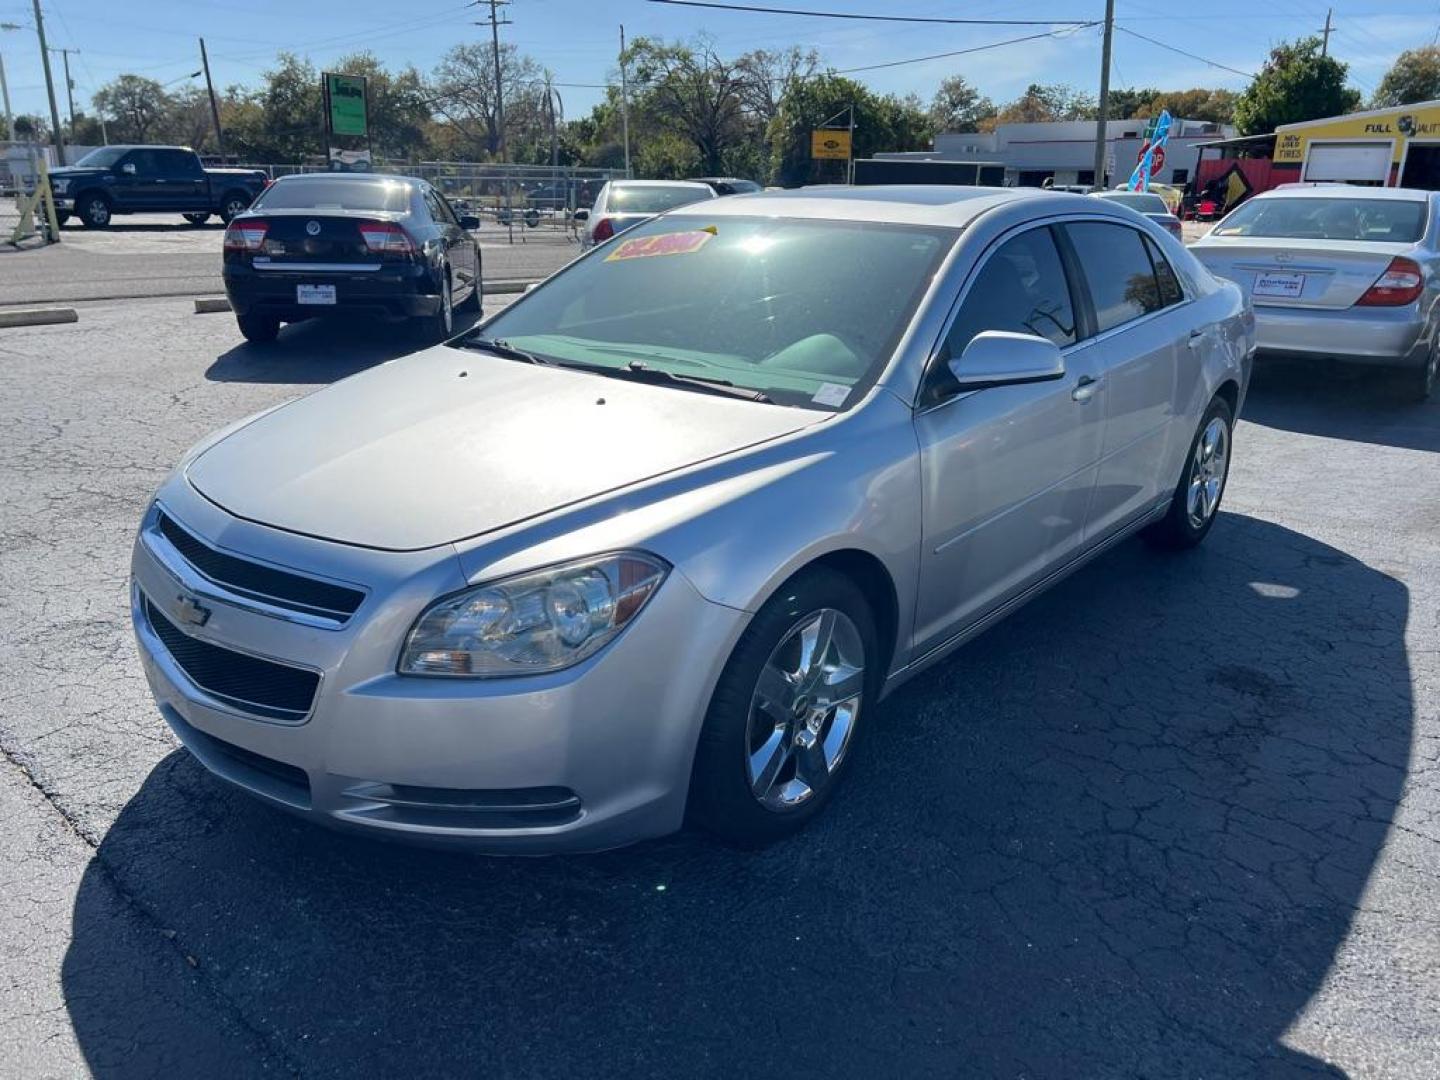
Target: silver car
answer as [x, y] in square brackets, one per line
[650, 545]
[1336, 271]
[623, 204]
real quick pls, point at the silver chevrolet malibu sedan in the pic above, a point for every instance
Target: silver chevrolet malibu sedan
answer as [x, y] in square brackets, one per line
[651, 545]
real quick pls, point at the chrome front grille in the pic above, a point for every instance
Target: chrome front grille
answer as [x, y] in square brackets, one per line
[266, 585]
[246, 683]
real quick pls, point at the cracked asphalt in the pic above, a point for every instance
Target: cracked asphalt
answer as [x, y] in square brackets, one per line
[1178, 818]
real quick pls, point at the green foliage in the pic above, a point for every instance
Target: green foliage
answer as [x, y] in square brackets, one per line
[1297, 83]
[1041, 103]
[1415, 76]
[882, 123]
[138, 109]
[959, 107]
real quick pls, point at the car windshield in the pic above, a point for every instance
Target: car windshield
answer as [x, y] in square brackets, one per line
[806, 312]
[629, 199]
[102, 157]
[335, 193]
[1340, 218]
[1139, 201]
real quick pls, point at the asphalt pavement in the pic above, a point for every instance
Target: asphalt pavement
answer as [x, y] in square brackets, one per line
[149, 255]
[1177, 818]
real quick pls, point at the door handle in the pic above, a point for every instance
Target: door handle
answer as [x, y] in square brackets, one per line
[1085, 388]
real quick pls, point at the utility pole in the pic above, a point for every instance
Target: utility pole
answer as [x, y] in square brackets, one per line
[69, 86]
[495, 22]
[56, 135]
[1325, 40]
[5, 87]
[1104, 102]
[624, 103]
[214, 106]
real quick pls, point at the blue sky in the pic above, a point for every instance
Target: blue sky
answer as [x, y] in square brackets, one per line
[577, 39]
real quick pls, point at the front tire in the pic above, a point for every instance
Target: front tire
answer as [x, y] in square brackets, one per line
[258, 328]
[1197, 497]
[787, 711]
[94, 211]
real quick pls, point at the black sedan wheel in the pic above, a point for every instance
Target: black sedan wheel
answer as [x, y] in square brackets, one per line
[441, 325]
[257, 328]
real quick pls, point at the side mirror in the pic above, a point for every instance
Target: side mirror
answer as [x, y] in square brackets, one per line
[582, 214]
[469, 221]
[128, 168]
[1003, 358]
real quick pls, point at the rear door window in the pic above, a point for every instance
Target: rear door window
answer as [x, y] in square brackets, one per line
[1118, 271]
[1165, 277]
[180, 165]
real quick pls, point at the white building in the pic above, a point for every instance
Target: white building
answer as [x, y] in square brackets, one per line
[1063, 151]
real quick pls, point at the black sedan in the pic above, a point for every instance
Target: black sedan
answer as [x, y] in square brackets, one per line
[325, 244]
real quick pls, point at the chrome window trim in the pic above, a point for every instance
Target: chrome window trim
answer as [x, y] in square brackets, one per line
[1066, 350]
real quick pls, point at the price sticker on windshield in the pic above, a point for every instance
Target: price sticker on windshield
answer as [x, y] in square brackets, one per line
[675, 243]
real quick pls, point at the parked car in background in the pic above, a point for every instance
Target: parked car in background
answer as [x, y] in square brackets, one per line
[653, 542]
[355, 243]
[623, 204]
[730, 185]
[1152, 206]
[560, 195]
[112, 180]
[1337, 271]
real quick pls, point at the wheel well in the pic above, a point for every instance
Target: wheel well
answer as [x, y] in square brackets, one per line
[240, 193]
[870, 576]
[1230, 391]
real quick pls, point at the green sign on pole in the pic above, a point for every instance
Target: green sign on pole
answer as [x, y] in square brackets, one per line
[346, 94]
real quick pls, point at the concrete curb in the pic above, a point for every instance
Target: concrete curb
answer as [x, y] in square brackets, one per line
[207, 304]
[514, 286]
[38, 316]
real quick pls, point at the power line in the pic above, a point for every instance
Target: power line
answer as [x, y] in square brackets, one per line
[963, 52]
[872, 18]
[1182, 52]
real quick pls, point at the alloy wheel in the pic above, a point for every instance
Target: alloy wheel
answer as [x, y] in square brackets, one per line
[98, 212]
[1207, 472]
[804, 710]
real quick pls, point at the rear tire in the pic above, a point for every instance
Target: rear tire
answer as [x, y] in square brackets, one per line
[1420, 382]
[233, 205]
[1196, 502]
[258, 328]
[441, 325]
[196, 219]
[761, 708]
[94, 211]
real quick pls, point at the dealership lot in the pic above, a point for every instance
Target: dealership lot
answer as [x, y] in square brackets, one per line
[1179, 817]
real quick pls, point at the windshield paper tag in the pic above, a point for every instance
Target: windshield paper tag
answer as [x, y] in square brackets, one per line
[831, 394]
[675, 243]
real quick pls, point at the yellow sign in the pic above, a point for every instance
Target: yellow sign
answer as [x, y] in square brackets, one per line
[1397, 126]
[830, 144]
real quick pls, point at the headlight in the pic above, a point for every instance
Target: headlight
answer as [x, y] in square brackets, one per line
[532, 623]
[59, 186]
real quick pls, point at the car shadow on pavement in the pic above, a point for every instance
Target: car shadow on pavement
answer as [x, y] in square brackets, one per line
[1341, 402]
[322, 350]
[1121, 834]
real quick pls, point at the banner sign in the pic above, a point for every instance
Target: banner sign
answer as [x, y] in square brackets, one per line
[345, 105]
[830, 144]
[1153, 155]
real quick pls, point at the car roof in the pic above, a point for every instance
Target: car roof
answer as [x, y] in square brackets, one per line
[919, 204]
[660, 183]
[1126, 194]
[386, 178]
[1347, 191]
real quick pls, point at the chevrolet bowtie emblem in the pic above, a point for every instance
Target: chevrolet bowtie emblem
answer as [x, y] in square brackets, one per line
[191, 612]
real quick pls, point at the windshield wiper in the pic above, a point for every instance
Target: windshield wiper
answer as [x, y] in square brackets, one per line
[501, 347]
[644, 373]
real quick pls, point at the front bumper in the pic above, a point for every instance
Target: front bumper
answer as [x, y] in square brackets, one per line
[396, 292]
[64, 204]
[1391, 337]
[584, 759]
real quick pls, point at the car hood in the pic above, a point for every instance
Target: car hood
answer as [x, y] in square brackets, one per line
[69, 172]
[449, 444]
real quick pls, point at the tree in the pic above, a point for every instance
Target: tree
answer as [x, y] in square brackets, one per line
[1415, 76]
[1043, 103]
[138, 109]
[959, 107]
[464, 93]
[694, 94]
[280, 121]
[1296, 84]
[768, 76]
[887, 123]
